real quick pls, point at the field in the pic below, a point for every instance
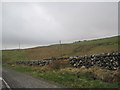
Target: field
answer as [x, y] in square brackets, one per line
[64, 50]
[60, 71]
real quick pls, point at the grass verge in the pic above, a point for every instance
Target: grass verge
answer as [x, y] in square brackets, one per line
[62, 77]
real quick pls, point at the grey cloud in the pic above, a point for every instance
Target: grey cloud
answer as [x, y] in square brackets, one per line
[35, 24]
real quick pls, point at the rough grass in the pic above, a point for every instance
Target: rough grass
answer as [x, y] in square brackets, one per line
[73, 49]
[66, 76]
[95, 73]
[13, 55]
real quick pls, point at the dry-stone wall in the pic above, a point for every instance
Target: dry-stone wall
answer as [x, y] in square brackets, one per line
[106, 60]
[34, 62]
[40, 62]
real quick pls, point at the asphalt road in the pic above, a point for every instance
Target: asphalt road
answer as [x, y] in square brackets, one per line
[20, 80]
[0, 83]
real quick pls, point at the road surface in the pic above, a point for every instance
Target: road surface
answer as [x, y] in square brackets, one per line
[20, 80]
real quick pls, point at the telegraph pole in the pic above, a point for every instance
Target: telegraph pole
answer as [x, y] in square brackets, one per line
[60, 42]
[60, 47]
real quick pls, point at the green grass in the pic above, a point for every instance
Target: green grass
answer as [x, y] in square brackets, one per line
[82, 82]
[99, 41]
[8, 56]
[65, 79]
[19, 68]
[71, 49]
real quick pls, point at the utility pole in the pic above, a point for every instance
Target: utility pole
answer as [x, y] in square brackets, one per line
[60, 47]
[60, 42]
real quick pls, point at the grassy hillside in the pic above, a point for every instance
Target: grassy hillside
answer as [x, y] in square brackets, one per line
[72, 49]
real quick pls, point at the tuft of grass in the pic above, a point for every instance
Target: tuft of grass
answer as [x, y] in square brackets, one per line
[95, 73]
[57, 65]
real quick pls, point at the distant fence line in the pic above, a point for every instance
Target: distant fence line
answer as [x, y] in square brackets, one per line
[105, 60]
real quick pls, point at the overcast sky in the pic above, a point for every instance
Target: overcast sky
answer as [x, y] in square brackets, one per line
[37, 24]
